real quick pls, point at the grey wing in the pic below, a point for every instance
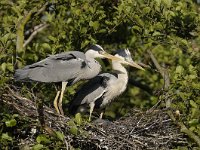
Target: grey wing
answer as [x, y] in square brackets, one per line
[91, 91]
[56, 68]
[69, 55]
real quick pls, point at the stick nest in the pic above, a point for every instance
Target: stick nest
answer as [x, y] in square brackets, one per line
[137, 130]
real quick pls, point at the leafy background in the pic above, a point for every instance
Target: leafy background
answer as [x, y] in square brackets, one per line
[169, 29]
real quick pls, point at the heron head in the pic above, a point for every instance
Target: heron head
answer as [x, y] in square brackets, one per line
[96, 51]
[126, 58]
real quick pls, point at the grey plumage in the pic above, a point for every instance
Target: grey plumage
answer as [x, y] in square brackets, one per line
[102, 89]
[67, 67]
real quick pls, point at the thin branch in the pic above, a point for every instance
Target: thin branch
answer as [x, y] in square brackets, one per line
[21, 25]
[42, 9]
[37, 29]
[165, 76]
[184, 129]
[20, 31]
[162, 71]
[144, 65]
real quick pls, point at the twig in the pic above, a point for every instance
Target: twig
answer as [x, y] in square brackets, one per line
[42, 9]
[20, 31]
[37, 29]
[184, 129]
[164, 74]
[20, 28]
[158, 134]
[162, 70]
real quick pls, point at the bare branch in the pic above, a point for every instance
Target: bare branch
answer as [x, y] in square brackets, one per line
[37, 29]
[20, 31]
[42, 9]
[162, 71]
[165, 76]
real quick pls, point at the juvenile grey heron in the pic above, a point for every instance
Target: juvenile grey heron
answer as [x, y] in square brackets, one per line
[67, 67]
[102, 89]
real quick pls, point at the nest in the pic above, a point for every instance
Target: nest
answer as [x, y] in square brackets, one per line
[137, 130]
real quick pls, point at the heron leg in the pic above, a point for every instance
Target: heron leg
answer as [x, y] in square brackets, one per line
[55, 102]
[101, 115]
[91, 110]
[64, 84]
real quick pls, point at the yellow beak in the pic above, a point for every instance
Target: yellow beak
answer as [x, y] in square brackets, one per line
[133, 64]
[109, 56]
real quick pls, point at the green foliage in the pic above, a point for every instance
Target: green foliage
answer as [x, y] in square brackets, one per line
[187, 98]
[170, 29]
[38, 147]
[42, 138]
[60, 135]
[73, 128]
[78, 119]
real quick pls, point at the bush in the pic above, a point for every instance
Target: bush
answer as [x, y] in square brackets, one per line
[30, 30]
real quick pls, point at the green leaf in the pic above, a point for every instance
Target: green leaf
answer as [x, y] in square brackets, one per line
[156, 33]
[52, 38]
[6, 137]
[83, 30]
[193, 104]
[78, 119]
[136, 28]
[3, 67]
[73, 130]
[139, 20]
[46, 46]
[42, 139]
[179, 69]
[193, 122]
[84, 43]
[38, 147]
[195, 113]
[146, 10]
[102, 31]
[77, 12]
[167, 2]
[10, 67]
[71, 123]
[11, 123]
[94, 24]
[60, 135]
[158, 26]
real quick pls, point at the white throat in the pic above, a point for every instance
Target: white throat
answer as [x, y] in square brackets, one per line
[116, 65]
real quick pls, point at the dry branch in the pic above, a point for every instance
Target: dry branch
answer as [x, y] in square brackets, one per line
[138, 130]
[37, 29]
[165, 76]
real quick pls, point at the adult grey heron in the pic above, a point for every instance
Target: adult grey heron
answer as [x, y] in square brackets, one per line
[102, 89]
[67, 67]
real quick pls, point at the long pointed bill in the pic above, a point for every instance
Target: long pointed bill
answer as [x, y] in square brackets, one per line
[133, 64]
[109, 56]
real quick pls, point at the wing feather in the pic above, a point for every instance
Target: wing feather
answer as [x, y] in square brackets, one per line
[91, 91]
[55, 68]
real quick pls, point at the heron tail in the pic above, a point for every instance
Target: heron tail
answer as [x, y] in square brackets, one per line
[21, 75]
